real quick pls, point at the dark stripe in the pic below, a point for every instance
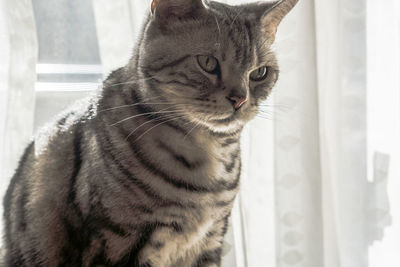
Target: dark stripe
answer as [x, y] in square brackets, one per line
[224, 203]
[80, 233]
[229, 166]
[21, 210]
[165, 177]
[103, 222]
[136, 181]
[13, 256]
[237, 45]
[142, 208]
[171, 82]
[184, 76]
[229, 186]
[229, 142]
[147, 191]
[181, 159]
[157, 244]
[250, 39]
[76, 168]
[209, 257]
[98, 218]
[80, 236]
[130, 259]
[100, 257]
[169, 64]
[71, 253]
[211, 233]
[237, 49]
[61, 122]
[76, 241]
[225, 226]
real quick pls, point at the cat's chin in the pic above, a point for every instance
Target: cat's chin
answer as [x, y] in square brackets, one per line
[227, 125]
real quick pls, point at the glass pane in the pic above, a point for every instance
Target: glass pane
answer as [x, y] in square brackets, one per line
[69, 64]
[66, 32]
[68, 47]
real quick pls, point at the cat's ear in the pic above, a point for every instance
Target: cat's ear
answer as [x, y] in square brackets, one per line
[167, 10]
[273, 16]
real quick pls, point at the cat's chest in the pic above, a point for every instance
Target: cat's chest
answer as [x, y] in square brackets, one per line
[200, 163]
[205, 159]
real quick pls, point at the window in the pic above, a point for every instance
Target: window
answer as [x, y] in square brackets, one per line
[69, 65]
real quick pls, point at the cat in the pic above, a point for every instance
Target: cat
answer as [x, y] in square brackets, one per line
[145, 173]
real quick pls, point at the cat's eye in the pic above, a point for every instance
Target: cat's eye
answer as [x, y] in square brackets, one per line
[259, 74]
[208, 64]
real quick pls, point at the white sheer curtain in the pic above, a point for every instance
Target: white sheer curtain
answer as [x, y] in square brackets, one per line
[383, 38]
[326, 211]
[341, 50]
[18, 55]
[298, 205]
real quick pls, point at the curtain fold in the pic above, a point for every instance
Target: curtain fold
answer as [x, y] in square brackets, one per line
[320, 143]
[296, 143]
[341, 58]
[115, 33]
[17, 81]
[4, 69]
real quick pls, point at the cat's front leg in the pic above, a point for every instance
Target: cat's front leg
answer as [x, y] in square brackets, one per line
[165, 247]
[209, 259]
[212, 253]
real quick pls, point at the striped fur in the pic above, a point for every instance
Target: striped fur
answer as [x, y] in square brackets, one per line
[145, 173]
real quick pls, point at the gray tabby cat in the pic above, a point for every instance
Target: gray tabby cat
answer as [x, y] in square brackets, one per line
[145, 173]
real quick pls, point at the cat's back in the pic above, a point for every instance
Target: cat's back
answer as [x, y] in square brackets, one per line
[37, 196]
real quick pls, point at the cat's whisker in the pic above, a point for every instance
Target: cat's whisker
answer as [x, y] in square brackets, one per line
[133, 81]
[141, 103]
[276, 107]
[150, 121]
[267, 111]
[195, 126]
[158, 124]
[235, 18]
[264, 117]
[163, 111]
[219, 29]
[123, 83]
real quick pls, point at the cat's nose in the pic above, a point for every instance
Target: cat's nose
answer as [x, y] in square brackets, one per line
[237, 101]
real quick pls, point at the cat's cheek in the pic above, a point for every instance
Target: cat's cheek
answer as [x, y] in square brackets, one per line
[260, 93]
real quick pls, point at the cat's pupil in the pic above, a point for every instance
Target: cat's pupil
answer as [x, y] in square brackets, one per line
[259, 74]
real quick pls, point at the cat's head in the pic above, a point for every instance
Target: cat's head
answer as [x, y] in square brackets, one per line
[211, 62]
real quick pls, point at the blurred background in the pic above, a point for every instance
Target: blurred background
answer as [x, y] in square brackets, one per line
[321, 179]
